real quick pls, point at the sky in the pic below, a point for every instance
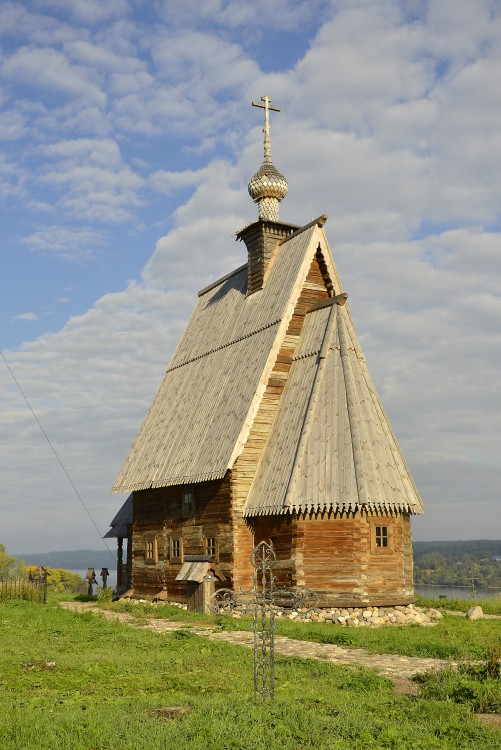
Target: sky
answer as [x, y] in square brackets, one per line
[127, 141]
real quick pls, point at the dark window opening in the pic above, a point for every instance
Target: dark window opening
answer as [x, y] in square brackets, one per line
[187, 503]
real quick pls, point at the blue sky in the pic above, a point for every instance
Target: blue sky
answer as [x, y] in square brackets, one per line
[127, 141]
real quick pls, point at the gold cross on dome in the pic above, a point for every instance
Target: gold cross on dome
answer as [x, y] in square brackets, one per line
[266, 106]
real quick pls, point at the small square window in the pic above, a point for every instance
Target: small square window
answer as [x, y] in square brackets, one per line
[150, 551]
[382, 536]
[176, 549]
[211, 546]
[187, 503]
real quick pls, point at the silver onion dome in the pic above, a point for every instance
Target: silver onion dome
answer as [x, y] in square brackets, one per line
[267, 188]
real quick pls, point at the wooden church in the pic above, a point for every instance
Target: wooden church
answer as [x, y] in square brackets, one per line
[267, 426]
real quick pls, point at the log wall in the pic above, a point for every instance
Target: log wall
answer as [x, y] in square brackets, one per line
[336, 556]
[314, 290]
[157, 516]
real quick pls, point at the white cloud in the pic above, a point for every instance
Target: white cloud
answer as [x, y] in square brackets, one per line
[97, 184]
[51, 70]
[88, 11]
[168, 182]
[204, 61]
[26, 316]
[12, 126]
[12, 178]
[19, 22]
[71, 244]
[90, 412]
[281, 14]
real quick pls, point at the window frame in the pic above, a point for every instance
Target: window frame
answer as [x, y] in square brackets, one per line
[176, 541]
[150, 540]
[188, 508]
[211, 532]
[381, 530]
[211, 545]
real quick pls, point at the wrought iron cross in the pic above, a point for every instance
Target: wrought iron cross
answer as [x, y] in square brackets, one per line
[266, 130]
[266, 600]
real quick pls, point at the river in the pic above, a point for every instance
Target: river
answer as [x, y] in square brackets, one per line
[112, 578]
[456, 592]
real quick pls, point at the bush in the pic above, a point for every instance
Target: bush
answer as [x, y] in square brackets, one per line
[58, 579]
[104, 595]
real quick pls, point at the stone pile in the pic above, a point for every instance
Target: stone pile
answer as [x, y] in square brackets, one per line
[351, 617]
[358, 617]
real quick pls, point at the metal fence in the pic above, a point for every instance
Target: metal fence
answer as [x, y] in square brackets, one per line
[32, 588]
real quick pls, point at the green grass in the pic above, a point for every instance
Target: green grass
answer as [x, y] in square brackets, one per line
[469, 684]
[107, 676]
[452, 638]
[489, 606]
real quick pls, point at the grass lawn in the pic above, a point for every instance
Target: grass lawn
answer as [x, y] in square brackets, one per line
[77, 681]
[452, 638]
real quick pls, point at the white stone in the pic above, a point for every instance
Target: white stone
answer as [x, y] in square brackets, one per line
[475, 613]
[435, 614]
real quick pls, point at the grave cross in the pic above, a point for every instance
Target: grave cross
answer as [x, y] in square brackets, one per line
[266, 601]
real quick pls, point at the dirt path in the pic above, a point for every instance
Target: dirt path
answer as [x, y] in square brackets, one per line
[397, 668]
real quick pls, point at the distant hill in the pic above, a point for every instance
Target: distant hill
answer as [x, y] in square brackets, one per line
[450, 552]
[77, 559]
[474, 547]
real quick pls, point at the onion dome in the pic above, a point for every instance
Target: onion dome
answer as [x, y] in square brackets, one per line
[267, 188]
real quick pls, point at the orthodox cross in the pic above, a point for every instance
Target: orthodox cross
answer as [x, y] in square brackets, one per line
[266, 601]
[266, 130]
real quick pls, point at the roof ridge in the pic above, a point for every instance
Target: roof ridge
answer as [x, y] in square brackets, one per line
[220, 281]
[319, 222]
[224, 346]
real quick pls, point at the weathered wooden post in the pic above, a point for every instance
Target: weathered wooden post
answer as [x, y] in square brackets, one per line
[90, 577]
[44, 584]
[120, 562]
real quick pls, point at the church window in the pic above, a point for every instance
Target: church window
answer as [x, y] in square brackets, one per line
[211, 546]
[187, 503]
[176, 549]
[150, 551]
[381, 536]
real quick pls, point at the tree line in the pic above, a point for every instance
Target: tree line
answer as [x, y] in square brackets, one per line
[475, 563]
[58, 579]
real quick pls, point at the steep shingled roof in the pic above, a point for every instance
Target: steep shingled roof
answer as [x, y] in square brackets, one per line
[331, 446]
[201, 415]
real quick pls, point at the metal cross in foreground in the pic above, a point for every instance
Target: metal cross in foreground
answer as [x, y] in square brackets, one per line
[266, 130]
[266, 600]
